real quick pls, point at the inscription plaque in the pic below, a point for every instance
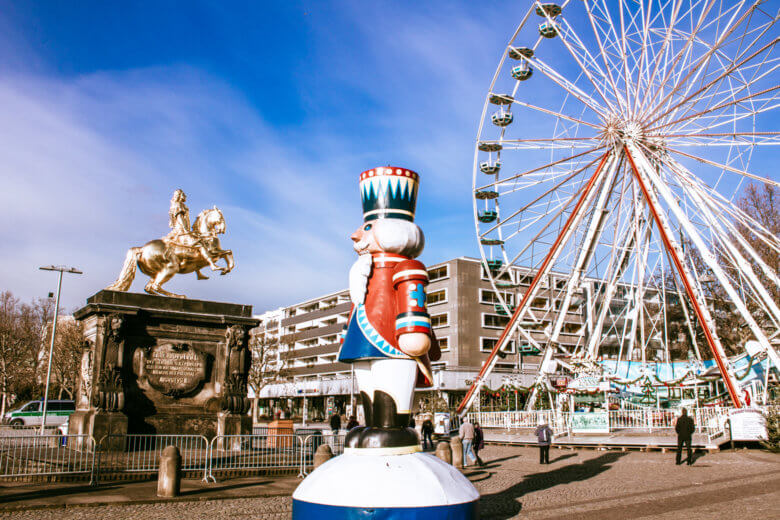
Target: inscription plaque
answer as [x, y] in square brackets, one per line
[174, 369]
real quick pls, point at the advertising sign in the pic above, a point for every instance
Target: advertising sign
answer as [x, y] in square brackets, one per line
[590, 422]
[747, 425]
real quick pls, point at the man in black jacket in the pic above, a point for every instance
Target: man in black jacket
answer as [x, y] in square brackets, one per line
[335, 422]
[684, 429]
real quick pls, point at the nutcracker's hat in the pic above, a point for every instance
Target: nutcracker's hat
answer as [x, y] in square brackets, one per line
[389, 192]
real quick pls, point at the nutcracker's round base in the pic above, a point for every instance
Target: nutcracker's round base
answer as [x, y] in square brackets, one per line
[365, 484]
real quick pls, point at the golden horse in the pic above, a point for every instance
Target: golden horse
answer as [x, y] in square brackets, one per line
[186, 253]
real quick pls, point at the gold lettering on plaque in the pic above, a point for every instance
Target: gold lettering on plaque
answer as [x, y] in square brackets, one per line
[174, 369]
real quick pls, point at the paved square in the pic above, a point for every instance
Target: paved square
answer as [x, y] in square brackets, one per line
[577, 484]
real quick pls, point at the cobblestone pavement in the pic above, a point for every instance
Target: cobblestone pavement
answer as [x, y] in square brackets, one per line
[577, 484]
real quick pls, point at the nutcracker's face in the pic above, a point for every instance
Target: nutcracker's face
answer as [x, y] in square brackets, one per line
[365, 240]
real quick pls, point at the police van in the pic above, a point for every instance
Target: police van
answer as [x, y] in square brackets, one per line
[31, 414]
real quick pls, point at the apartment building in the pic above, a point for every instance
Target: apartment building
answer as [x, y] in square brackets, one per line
[466, 316]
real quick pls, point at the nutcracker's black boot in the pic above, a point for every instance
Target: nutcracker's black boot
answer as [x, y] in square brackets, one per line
[352, 440]
[389, 429]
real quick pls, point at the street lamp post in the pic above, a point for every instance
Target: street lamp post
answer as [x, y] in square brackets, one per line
[60, 269]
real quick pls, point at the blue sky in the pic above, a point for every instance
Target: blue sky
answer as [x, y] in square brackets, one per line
[269, 110]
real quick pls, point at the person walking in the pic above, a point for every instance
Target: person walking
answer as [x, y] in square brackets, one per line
[684, 428]
[352, 422]
[544, 437]
[427, 434]
[479, 442]
[335, 422]
[466, 434]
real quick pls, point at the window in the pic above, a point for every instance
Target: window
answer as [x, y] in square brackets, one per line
[494, 321]
[444, 343]
[506, 277]
[440, 320]
[437, 273]
[491, 298]
[435, 297]
[32, 407]
[487, 344]
[539, 303]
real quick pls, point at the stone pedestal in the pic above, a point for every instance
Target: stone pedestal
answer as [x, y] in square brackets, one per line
[231, 424]
[163, 365]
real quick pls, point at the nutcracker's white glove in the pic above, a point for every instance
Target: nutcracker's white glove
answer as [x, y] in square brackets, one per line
[358, 278]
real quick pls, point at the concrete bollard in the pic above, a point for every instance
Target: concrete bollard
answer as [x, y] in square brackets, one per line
[169, 475]
[322, 455]
[457, 452]
[444, 452]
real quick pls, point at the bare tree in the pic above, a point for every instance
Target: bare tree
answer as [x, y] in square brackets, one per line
[66, 363]
[269, 360]
[11, 340]
[763, 206]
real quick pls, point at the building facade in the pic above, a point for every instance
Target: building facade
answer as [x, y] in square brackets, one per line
[467, 319]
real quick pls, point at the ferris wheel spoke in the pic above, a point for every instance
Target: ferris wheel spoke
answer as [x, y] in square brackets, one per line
[569, 31]
[673, 72]
[540, 168]
[552, 189]
[738, 261]
[765, 180]
[603, 53]
[724, 139]
[699, 65]
[554, 113]
[668, 69]
[726, 73]
[568, 86]
[730, 94]
[702, 113]
[662, 52]
[581, 195]
[719, 220]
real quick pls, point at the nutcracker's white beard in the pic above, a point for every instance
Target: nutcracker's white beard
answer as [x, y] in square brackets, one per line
[358, 278]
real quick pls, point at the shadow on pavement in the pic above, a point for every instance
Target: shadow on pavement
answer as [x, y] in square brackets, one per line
[217, 489]
[53, 492]
[563, 457]
[507, 501]
[492, 462]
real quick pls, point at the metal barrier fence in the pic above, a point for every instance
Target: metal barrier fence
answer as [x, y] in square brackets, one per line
[254, 452]
[312, 442]
[140, 453]
[47, 455]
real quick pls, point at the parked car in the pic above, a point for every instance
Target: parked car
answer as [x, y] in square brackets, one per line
[31, 414]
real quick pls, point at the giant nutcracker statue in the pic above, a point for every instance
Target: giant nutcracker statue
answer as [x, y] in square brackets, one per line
[389, 342]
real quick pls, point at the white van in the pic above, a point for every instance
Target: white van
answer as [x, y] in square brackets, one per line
[31, 414]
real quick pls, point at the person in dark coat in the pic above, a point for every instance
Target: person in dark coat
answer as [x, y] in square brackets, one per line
[684, 428]
[352, 422]
[479, 442]
[427, 434]
[544, 436]
[335, 422]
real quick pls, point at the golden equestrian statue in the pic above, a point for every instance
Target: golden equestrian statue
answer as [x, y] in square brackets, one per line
[182, 251]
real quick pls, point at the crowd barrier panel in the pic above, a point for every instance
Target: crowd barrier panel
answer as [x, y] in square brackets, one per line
[235, 453]
[46, 455]
[312, 442]
[140, 453]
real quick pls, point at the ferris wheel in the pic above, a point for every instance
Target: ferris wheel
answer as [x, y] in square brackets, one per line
[616, 141]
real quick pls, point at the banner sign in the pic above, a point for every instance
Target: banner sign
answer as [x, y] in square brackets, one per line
[590, 422]
[586, 383]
